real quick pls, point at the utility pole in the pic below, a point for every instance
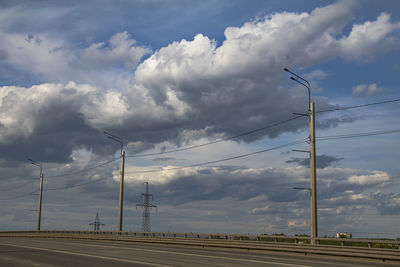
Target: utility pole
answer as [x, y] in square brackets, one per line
[313, 171]
[313, 177]
[121, 191]
[40, 192]
[121, 183]
[146, 206]
[40, 202]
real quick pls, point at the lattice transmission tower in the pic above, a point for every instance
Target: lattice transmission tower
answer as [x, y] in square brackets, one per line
[96, 223]
[146, 206]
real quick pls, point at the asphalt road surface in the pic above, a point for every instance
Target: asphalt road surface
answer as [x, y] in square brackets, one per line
[65, 252]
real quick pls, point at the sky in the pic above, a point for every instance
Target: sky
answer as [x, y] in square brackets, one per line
[198, 94]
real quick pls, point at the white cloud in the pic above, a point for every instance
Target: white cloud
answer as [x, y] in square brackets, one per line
[373, 178]
[256, 210]
[316, 75]
[367, 90]
[297, 224]
[106, 65]
[122, 50]
[188, 89]
[369, 39]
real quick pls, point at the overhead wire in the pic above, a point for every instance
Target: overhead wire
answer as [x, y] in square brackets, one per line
[75, 185]
[360, 106]
[217, 141]
[225, 159]
[234, 157]
[19, 196]
[259, 129]
[221, 140]
[16, 187]
[321, 138]
[84, 170]
[354, 135]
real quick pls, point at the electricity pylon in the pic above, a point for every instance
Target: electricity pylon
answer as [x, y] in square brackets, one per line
[96, 223]
[146, 206]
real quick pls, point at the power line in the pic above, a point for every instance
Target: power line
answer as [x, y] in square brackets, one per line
[354, 135]
[260, 129]
[84, 170]
[217, 141]
[227, 159]
[19, 186]
[75, 185]
[19, 196]
[322, 138]
[361, 106]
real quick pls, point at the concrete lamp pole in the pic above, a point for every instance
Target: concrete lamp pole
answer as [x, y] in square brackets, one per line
[313, 172]
[40, 192]
[121, 184]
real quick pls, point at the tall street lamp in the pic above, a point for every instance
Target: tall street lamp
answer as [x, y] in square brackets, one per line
[313, 172]
[40, 192]
[121, 184]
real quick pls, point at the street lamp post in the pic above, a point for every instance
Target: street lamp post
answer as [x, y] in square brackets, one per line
[313, 173]
[40, 192]
[121, 184]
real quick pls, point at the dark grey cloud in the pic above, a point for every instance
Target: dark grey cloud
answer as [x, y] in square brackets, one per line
[322, 161]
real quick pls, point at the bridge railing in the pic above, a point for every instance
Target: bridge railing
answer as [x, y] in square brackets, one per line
[300, 240]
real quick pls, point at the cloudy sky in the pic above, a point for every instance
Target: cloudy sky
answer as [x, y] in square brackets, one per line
[197, 92]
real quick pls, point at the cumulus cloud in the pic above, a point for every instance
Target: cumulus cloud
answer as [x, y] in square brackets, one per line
[375, 177]
[48, 118]
[187, 90]
[121, 51]
[367, 90]
[369, 39]
[105, 64]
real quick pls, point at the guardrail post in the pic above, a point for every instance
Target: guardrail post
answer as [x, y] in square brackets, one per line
[296, 241]
[369, 244]
[276, 240]
[342, 243]
[317, 242]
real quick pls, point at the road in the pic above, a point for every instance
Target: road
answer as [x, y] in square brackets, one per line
[67, 252]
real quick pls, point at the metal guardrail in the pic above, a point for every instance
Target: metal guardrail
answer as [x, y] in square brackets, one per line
[370, 249]
[343, 242]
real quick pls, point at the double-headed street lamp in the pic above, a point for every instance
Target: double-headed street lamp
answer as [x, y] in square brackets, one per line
[303, 82]
[313, 174]
[40, 192]
[121, 184]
